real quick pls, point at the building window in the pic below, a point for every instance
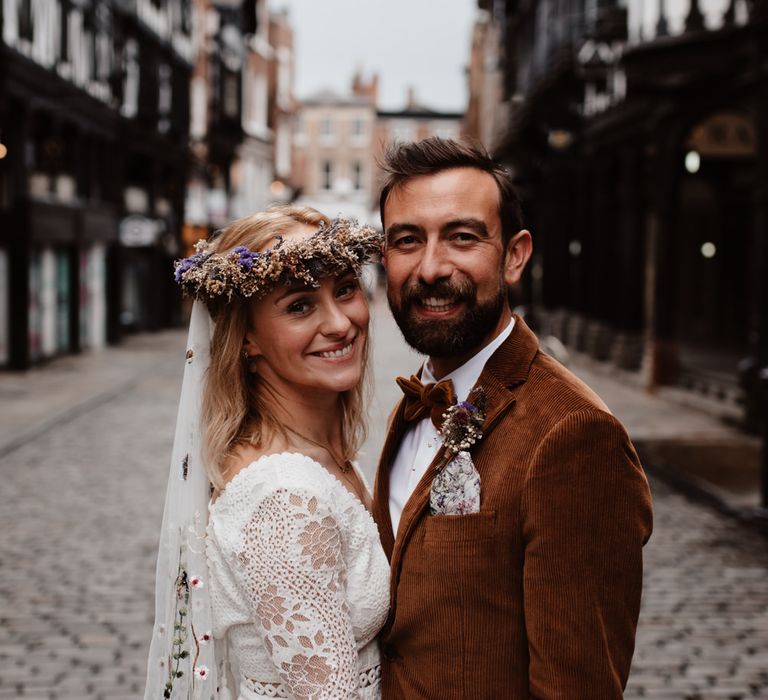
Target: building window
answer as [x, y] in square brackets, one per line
[327, 129]
[25, 28]
[326, 175]
[230, 95]
[257, 120]
[402, 133]
[130, 105]
[358, 129]
[164, 97]
[357, 175]
[4, 308]
[445, 132]
[283, 149]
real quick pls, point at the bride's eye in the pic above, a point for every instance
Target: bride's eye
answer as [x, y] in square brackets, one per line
[298, 307]
[347, 289]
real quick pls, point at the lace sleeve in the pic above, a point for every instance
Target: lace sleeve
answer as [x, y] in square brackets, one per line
[294, 578]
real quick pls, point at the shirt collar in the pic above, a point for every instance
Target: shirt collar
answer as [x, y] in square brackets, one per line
[466, 376]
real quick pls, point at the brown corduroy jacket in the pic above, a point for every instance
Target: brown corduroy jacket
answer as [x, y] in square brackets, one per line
[537, 595]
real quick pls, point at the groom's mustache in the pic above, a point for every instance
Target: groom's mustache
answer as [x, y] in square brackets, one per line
[462, 290]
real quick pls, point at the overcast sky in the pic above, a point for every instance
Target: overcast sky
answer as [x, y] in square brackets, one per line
[423, 43]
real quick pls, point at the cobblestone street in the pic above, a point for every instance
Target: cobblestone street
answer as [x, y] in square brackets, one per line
[80, 515]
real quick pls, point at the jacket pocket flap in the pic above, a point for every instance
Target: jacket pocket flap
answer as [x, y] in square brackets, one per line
[460, 528]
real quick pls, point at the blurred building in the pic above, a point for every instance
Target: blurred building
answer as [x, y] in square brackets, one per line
[129, 129]
[242, 113]
[414, 122]
[486, 114]
[340, 139]
[282, 105]
[94, 112]
[637, 132]
[333, 166]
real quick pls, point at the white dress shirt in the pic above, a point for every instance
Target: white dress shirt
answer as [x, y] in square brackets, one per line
[421, 441]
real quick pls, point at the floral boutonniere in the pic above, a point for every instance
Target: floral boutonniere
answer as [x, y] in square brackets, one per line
[463, 423]
[456, 487]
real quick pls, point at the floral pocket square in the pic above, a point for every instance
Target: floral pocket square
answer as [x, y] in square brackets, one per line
[456, 488]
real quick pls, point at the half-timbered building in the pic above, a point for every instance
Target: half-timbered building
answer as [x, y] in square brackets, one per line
[94, 122]
[638, 134]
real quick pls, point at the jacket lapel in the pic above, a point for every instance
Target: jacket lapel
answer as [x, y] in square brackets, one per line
[381, 515]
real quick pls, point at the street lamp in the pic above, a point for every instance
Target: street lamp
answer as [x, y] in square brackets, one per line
[692, 162]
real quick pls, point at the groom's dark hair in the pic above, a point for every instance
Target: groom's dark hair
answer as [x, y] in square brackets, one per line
[403, 161]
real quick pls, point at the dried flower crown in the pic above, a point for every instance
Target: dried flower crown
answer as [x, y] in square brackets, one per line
[213, 277]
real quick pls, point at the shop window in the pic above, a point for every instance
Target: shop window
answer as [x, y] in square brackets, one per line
[92, 297]
[4, 308]
[35, 308]
[230, 94]
[63, 301]
[327, 175]
[25, 19]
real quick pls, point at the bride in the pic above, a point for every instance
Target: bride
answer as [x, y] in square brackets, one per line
[271, 581]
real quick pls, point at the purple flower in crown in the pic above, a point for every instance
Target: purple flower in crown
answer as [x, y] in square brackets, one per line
[194, 260]
[244, 256]
[187, 264]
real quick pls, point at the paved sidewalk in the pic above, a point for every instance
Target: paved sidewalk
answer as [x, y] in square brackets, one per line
[34, 401]
[695, 450]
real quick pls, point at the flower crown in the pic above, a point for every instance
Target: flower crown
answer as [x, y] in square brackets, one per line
[210, 276]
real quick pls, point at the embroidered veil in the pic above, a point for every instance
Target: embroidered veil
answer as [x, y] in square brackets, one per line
[184, 660]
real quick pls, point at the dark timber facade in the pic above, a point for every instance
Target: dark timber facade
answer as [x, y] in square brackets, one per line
[94, 112]
[641, 149]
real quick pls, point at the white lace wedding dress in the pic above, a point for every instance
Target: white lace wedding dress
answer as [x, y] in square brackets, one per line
[298, 581]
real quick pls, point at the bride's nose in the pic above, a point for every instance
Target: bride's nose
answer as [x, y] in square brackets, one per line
[335, 321]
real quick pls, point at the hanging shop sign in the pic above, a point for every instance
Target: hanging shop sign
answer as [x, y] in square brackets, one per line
[139, 231]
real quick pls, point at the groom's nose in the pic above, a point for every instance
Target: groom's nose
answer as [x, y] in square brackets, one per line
[435, 263]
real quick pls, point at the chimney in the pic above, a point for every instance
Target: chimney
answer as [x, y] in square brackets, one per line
[369, 89]
[411, 102]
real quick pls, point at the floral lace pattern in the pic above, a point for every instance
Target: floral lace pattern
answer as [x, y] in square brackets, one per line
[299, 579]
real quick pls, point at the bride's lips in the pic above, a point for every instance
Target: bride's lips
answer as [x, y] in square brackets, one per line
[339, 352]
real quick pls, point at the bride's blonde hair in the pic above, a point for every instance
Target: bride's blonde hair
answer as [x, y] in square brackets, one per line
[236, 409]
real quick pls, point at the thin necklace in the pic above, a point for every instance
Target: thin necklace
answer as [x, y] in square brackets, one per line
[345, 465]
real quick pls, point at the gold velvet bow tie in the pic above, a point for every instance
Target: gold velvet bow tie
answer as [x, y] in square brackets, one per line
[422, 399]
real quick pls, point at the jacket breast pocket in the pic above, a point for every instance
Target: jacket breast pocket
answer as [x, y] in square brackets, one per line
[452, 529]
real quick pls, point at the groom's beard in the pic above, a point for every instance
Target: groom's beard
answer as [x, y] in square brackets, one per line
[450, 337]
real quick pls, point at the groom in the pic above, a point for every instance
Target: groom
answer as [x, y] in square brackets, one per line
[516, 564]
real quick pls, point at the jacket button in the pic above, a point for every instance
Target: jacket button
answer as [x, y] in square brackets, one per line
[389, 652]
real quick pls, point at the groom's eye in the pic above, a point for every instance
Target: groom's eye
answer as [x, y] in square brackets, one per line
[404, 241]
